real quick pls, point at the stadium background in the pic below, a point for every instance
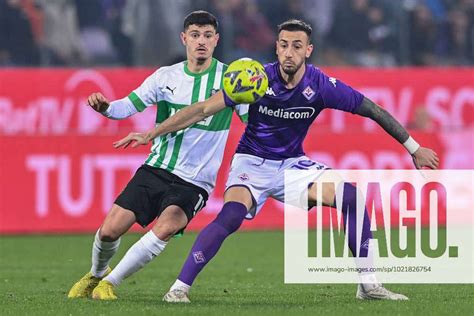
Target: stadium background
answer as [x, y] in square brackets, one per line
[59, 172]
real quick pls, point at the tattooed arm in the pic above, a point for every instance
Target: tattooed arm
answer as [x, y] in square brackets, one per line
[422, 157]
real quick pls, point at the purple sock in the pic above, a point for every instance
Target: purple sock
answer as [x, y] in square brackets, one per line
[211, 238]
[349, 211]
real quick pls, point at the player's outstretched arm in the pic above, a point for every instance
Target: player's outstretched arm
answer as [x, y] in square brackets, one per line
[115, 110]
[181, 120]
[422, 157]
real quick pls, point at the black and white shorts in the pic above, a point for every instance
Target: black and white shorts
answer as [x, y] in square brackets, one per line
[152, 190]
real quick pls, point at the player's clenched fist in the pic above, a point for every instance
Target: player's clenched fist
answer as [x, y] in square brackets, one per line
[98, 102]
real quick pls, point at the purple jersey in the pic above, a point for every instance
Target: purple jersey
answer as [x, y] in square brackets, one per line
[278, 122]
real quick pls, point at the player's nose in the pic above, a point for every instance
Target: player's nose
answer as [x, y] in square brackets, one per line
[202, 40]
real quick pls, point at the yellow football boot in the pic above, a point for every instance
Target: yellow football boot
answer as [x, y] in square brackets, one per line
[84, 287]
[104, 291]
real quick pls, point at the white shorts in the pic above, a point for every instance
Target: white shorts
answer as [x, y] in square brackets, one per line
[266, 178]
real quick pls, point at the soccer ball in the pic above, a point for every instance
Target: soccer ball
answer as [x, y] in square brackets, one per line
[245, 81]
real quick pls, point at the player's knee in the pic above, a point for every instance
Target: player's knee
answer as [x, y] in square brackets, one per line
[328, 195]
[171, 221]
[166, 230]
[108, 234]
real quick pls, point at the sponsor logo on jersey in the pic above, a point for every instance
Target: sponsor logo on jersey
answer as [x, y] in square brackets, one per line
[308, 93]
[296, 113]
[270, 91]
[199, 257]
[243, 176]
[333, 81]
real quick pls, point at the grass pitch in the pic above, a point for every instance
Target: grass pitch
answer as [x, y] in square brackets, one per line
[246, 277]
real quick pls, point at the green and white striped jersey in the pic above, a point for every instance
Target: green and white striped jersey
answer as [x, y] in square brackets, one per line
[194, 154]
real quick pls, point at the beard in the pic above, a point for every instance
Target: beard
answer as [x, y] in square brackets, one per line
[201, 60]
[290, 70]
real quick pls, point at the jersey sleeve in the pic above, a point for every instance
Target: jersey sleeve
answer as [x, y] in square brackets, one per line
[337, 95]
[149, 92]
[228, 102]
[242, 111]
[120, 109]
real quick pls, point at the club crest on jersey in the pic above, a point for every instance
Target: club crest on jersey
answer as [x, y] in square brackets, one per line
[243, 176]
[214, 91]
[365, 245]
[308, 93]
[199, 257]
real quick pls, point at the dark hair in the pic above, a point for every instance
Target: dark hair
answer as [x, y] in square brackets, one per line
[200, 18]
[295, 25]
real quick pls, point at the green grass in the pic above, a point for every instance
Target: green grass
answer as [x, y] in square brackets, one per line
[37, 271]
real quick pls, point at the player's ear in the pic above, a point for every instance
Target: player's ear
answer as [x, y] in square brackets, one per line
[182, 36]
[217, 38]
[309, 50]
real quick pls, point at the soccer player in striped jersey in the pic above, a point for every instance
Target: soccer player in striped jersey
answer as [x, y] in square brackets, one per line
[181, 170]
[273, 143]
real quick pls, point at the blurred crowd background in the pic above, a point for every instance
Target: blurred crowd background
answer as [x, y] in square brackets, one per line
[370, 33]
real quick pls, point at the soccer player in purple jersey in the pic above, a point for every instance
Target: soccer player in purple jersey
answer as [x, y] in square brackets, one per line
[272, 143]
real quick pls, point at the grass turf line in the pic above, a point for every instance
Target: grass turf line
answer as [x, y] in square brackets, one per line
[246, 276]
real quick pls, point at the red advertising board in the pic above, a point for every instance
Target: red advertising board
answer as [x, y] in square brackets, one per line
[60, 173]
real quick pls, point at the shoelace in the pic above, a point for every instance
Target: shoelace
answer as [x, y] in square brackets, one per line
[179, 293]
[381, 290]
